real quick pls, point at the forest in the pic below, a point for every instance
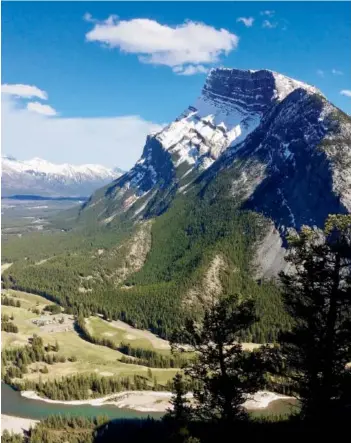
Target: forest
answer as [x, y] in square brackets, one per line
[312, 360]
[185, 239]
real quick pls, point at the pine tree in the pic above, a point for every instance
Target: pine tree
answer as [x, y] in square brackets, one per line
[224, 373]
[317, 294]
[180, 411]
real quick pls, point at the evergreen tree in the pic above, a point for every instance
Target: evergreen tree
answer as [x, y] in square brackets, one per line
[180, 410]
[225, 373]
[317, 293]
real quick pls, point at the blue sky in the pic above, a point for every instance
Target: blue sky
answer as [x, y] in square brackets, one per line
[108, 83]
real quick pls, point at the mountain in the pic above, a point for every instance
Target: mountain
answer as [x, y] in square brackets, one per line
[207, 208]
[287, 146]
[40, 177]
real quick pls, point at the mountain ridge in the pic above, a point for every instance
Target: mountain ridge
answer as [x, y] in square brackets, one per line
[38, 176]
[215, 126]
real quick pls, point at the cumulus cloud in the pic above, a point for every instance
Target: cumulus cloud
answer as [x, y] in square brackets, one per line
[247, 21]
[39, 108]
[337, 72]
[190, 43]
[268, 24]
[190, 70]
[23, 91]
[346, 92]
[112, 141]
[320, 72]
[268, 12]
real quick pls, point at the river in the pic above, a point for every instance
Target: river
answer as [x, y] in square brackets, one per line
[12, 403]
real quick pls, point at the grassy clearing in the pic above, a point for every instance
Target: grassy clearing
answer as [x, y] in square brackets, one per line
[119, 332]
[28, 301]
[90, 357]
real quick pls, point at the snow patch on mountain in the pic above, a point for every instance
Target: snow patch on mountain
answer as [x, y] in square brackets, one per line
[233, 105]
[230, 107]
[38, 176]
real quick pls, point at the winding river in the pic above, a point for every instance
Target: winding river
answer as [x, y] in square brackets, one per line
[12, 403]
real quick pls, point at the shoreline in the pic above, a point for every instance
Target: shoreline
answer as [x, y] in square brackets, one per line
[17, 425]
[152, 401]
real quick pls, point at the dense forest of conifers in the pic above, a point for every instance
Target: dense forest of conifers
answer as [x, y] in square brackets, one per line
[86, 386]
[185, 240]
[58, 429]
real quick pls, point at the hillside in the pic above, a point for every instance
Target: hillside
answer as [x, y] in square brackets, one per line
[206, 209]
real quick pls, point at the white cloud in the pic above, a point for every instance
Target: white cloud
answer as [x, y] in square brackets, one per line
[346, 92]
[190, 70]
[320, 72]
[188, 43]
[268, 12]
[268, 24]
[112, 141]
[88, 18]
[39, 108]
[337, 72]
[24, 91]
[248, 21]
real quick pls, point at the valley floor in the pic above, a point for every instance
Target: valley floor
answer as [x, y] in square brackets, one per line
[90, 357]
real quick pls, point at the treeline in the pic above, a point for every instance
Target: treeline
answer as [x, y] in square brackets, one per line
[9, 301]
[86, 386]
[15, 361]
[7, 325]
[58, 429]
[146, 357]
[141, 356]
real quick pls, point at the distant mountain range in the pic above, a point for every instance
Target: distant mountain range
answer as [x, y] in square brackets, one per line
[40, 177]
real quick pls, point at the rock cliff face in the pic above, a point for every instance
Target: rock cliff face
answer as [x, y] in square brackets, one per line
[287, 151]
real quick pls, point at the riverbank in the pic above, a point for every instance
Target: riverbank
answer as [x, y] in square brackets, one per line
[152, 401]
[16, 425]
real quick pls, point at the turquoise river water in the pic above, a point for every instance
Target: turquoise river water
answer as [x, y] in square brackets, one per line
[12, 403]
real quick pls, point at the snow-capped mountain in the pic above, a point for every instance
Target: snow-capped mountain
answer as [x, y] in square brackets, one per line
[285, 148]
[208, 206]
[40, 177]
[233, 109]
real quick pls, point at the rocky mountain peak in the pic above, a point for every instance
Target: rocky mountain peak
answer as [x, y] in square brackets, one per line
[274, 125]
[248, 90]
